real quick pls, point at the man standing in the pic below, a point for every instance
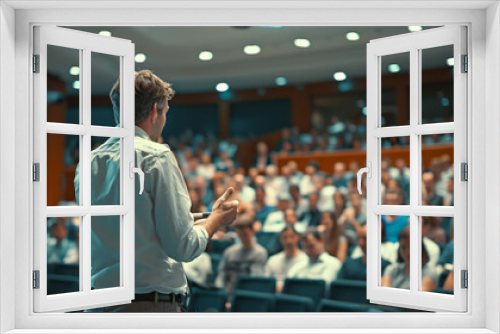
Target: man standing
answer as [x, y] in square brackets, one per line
[165, 233]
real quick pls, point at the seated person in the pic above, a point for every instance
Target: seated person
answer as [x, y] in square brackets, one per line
[432, 248]
[279, 264]
[397, 275]
[275, 221]
[335, 243]
[355, 268]
[58, 245]
[320, 264]
[388, 250]
[199, 270]
[429, 194]
[353, 217]
[394, 224]
[244, 258]
[312, 215]
[262, 210]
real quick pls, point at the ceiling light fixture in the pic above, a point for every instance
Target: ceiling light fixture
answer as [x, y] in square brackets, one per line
[339, 76]
[251, 49]
[280, 81]
[222, 87]
[205, 55]
[140, 58]
[302, 43]
[105, 33]
[414, 28]
[393, 68]
[352, 36]
[74, 70]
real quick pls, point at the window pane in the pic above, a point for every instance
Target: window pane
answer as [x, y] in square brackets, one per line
[395, 171]
[63, 80]
[63, 154]
[395, 251]
[105, 72]
[437, 170]
[437, 254]
[63, 268]
[437, 84]
[395, 98]
[105, 251]
[106, 184]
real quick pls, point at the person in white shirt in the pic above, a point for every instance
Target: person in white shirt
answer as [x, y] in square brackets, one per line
[165, 232]
[199, 270]
[320, 264]
[279, 264]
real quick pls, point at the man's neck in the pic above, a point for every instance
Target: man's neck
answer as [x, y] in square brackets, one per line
[291, 252]
[247, 244]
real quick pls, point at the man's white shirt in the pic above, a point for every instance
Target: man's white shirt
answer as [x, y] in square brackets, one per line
[164, 231]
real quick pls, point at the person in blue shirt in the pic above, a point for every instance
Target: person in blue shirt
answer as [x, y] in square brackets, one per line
[394, 224]
[355, 268]
[58, 245]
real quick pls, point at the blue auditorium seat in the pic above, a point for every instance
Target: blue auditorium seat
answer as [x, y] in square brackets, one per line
[66, 269]
[314, 289]
[219, 246]
[62, 284]
[215, 259]
[441, 290]
[251, 301]
[348, 291]
[256, 283]
[290, 303]
[203, 300]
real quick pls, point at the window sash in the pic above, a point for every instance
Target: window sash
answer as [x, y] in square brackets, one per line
[86, 43]
[412, 43]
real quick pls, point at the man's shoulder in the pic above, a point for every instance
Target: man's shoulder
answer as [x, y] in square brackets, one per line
[148, 146]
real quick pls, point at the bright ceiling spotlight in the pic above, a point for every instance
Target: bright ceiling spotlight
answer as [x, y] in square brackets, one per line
[105, 33]
[302, 43]
[140, 58]
[339, 76]
[74, 70]
[414, 28]
[205, 55]
[450, 61]
[76, 84]
[251, 49]
[280, 81]
[352, 36]
[222, 87]
[393, 68]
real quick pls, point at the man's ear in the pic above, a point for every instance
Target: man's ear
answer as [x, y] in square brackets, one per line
[153, 114]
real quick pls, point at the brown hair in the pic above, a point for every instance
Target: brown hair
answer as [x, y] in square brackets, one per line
[332, 236]
[149, 89]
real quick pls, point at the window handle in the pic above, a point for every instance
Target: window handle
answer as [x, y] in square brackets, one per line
[368, 171]
[141, 175]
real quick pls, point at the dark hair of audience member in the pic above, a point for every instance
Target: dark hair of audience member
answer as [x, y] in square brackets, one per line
[332, 236]
[405, 234]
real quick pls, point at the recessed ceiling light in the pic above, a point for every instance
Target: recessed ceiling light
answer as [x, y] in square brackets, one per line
[205, 55]
[450, 61]
[74, 70]
[393, 68]
[76, 84]
[280, 81]
[105, 33]
[339, 76]
[251, 49]
[352, 36]
[140, 58]
[414, 28]
[302, 43]
[222, 87]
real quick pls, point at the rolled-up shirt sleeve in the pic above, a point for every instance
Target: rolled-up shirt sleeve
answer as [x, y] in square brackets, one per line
[181, 240]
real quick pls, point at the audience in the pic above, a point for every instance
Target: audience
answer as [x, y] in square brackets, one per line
[279, 264]
[397, 275]
[59, 248]
[312, 215]
[320, 264]
[355, 268]
[394, 224]
[244, 258]
[335, 243]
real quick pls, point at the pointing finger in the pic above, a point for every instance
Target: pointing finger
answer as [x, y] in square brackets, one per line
[229, 191]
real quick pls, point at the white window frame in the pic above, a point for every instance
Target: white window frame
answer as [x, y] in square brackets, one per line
[413, 44]
[85, 44]
[16, 21]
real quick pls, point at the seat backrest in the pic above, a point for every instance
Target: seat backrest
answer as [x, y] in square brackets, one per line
[256, 283]
[290, 303]
[326, 305]
[348, 291]
[310, 288]
[66, 269]
[251, 301]
[204, 300]
[62, 284]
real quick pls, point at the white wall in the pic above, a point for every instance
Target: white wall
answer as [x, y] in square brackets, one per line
[7, 160]
[492, 150]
